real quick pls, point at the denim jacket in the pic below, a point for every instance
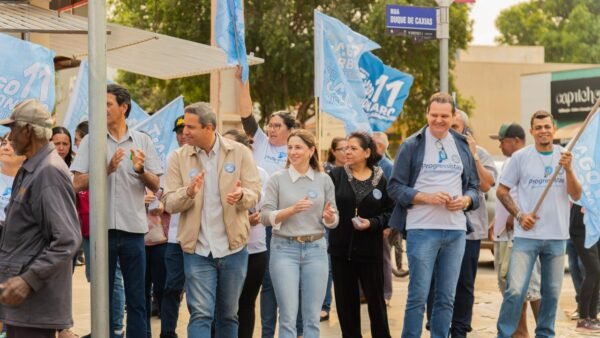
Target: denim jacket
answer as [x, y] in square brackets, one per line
[407, 167]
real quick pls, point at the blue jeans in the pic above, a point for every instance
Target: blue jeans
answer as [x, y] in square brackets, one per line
[118, 305]
[439, 253]
[213, 288]
[524, 254]
[299, 266]
[85, 244]
[171, 299]
[128, 249]
[155, 279]
[327, 301]
[268, 301]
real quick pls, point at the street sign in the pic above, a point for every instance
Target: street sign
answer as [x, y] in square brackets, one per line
[418, 23]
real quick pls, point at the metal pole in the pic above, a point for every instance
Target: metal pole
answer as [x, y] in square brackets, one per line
[98, 180]
[444, 36]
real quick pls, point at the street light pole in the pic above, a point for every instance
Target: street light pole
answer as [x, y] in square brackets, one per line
[444, 36]
[98, 180]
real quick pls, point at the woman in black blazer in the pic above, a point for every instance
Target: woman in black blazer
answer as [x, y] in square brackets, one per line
[356, 245]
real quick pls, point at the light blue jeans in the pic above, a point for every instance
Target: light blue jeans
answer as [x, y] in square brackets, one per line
[299, 266]
[213, 288]
[524, 254]
[430, 252]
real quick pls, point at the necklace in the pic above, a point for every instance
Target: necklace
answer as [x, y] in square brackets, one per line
[547, 167]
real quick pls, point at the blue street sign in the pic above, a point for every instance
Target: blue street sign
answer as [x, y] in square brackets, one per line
[415, 22]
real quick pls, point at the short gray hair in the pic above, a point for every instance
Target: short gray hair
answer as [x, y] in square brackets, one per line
[204, 112]
[464, 117]
[380, 137]
[39, 132]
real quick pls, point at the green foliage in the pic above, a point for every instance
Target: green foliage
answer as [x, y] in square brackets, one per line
[281, 32]
[568, 29]
[184, 19]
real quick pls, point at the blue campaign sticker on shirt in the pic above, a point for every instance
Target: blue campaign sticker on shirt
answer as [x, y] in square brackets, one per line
[282, 155]
[455, 158]
[193, 173]
[229, 167]
[312, 194]
[377, 194]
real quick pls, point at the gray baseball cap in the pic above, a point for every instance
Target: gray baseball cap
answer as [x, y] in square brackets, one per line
[30, 111]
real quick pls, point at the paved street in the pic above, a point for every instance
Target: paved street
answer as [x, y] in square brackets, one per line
[487, 305]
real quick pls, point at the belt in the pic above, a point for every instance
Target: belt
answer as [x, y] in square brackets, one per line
[303, 239]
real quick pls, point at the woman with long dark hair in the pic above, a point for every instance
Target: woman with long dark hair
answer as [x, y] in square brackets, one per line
[356, 245]
[61, 137]
[336, 155]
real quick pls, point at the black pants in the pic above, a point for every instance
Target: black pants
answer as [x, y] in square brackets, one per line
[346, 275]
[257, 264]
[29, 332]
[588, 294]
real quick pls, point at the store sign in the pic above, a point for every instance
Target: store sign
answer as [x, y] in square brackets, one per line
[573, 99]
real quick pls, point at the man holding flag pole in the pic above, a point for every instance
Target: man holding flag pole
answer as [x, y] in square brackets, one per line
[541, 229]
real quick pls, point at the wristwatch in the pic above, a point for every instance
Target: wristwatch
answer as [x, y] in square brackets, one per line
[141, 171]
[476, 157]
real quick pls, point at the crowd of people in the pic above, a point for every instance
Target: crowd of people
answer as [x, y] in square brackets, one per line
[239, 214]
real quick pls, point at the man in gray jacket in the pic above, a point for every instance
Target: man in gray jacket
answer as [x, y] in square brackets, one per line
[41, 233]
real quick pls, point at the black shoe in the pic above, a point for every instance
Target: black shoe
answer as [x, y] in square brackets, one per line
[324, 315]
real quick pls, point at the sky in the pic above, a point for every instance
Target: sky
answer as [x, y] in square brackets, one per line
[484, 13]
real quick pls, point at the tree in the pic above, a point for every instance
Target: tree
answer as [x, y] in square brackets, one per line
[568, 29]
[281, 32]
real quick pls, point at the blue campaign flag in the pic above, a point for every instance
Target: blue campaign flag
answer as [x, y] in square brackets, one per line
[586, 165]
[26, 71]
[159, 127]
[78, 106]
[386, 90]
[230, 33]
[338, 82]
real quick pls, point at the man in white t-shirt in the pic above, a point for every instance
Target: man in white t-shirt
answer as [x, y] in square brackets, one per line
[512, 139]
[542, 234]
[433, 183]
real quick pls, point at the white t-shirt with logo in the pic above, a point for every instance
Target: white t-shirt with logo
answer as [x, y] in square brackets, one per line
[441, 172]
[266, 155]
[529, 172]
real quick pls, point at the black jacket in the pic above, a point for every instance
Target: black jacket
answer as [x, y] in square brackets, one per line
[347, 241]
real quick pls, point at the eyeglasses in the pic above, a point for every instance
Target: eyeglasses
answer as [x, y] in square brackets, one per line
[341, 149]
[274, 126]
[442, 155]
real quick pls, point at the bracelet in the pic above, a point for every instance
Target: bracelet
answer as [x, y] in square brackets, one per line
[476, 157]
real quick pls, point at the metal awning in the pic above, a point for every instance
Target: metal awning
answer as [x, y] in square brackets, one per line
[129, 49]
[152, 54]
[18, 17]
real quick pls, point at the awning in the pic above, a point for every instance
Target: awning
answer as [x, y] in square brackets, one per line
[23, 18]
[568, 132]
[129, 49]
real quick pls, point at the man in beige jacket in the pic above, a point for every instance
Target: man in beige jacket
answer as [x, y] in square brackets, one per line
[211, 182]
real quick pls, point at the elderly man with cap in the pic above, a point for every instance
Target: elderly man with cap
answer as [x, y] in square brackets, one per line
[41, 233]
[512, 139]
